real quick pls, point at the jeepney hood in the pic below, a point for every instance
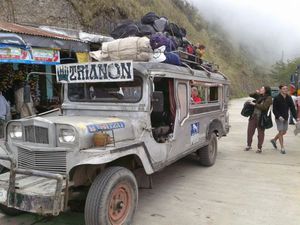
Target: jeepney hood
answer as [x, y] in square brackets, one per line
[87, 126]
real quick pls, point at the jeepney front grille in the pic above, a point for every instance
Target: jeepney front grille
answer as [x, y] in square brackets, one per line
[36, 134]
[53, 162]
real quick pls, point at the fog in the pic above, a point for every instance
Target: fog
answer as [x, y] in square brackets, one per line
[270, 28]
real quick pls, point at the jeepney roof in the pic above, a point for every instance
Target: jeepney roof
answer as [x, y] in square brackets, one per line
[172, 71]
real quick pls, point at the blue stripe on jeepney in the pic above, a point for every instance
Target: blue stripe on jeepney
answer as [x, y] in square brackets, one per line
[93, 128]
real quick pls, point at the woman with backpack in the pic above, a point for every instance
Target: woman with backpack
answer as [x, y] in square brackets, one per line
[261, 105]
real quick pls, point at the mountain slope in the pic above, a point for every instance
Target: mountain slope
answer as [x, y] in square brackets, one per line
[101, 16]
[234, 61]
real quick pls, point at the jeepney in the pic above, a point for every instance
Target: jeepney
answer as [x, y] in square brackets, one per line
[120, 121]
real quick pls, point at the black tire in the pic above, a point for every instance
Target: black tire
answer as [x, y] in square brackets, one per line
[112, 198]
[208, 154]
[10, 211]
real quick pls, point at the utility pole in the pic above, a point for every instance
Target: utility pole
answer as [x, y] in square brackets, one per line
[282, 56]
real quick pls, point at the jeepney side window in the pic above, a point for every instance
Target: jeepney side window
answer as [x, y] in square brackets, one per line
[198, 94]
[213, 94]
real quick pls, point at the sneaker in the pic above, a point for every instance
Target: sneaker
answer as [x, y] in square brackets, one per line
[273, 142]
[248, 148]
[259, 151]
[282, 151]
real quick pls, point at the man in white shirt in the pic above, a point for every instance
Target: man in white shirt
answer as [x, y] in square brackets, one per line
[294, 98]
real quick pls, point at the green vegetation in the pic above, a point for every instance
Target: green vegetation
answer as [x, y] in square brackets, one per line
[234, 60]
[282, 71]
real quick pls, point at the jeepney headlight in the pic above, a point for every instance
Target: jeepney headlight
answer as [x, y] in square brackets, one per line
[15, 131]
[66, 135]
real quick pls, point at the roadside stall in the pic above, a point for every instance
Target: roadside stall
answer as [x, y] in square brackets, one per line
[28, 56]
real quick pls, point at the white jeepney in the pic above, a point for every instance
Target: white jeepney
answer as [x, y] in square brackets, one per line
[120, 122]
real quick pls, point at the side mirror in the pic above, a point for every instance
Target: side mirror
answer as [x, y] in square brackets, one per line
[158, 101]
[27, 96]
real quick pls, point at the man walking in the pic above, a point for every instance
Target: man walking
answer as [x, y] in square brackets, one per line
[282, 103]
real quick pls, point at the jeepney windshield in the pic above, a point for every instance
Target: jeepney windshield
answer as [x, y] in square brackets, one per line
[126, 92]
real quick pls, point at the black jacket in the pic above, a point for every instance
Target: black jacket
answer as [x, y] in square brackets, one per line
[281, 107]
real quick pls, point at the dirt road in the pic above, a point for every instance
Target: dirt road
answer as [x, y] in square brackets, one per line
[242, 188]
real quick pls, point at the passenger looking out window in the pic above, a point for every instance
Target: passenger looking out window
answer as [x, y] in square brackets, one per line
[195, 96]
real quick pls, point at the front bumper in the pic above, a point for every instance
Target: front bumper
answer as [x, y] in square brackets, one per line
[32, 191]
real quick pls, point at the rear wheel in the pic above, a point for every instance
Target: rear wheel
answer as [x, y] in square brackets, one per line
[112, 198]
[10, 211]
[207, 155]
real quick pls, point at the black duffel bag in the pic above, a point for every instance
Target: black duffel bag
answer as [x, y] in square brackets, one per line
[248, 109]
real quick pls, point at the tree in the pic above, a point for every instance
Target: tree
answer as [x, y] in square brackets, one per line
[282, 71]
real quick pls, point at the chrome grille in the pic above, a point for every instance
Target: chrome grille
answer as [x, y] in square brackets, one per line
[53, 162]
[36, 134]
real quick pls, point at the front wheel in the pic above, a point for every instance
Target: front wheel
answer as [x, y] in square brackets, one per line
[112, 198]
[207, 155]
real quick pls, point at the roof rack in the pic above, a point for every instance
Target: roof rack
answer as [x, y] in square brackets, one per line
[194, 62]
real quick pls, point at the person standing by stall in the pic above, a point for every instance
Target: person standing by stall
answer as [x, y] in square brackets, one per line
[4, 112]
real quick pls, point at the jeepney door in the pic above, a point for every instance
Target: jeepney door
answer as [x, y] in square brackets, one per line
[181, 132]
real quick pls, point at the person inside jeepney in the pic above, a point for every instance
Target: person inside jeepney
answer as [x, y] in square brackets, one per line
[200, 51]
[195, 96]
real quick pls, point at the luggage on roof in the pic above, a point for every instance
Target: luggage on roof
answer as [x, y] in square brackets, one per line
[149, 18]
[157, 40]
[131, 48]
[160, 24]
[145, 30]
[174, 30]
[125, 29]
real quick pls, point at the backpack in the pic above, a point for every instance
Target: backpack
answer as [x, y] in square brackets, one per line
[157, 40]
[172, 58]
[145, 30]
[190, 49]
[247, 110]
[183, 31]
[125, 29]
[174, 30]
[160, 24]
[149, 18]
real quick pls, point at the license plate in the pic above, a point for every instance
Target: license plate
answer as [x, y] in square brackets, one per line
[3, 195]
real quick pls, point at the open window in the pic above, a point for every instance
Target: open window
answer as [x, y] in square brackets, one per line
[213, 94]
[205, 97]
[163, 109]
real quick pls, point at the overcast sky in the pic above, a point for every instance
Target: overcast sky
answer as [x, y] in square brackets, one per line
[274, 25]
